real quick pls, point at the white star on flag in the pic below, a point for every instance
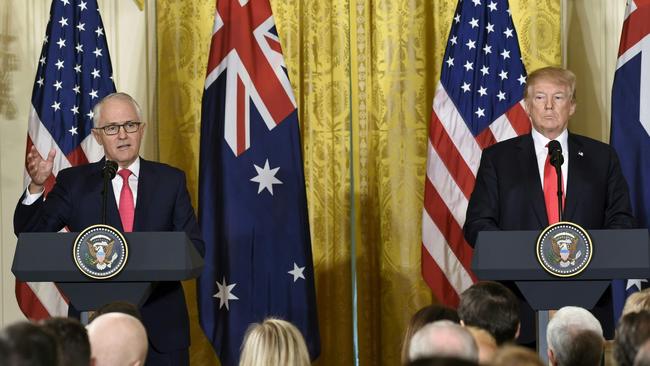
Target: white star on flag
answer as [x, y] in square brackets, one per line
[224, 294]
[636, 282]
[266, 177]
[73, 130]
[297, 272]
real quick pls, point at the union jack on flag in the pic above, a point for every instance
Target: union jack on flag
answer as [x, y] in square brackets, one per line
[476, 104]
[630, 128]
[74, 73]
[252, 200]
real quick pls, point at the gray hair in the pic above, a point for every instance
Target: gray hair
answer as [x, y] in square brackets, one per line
[97, 109]
[443, 338]
[566, 324]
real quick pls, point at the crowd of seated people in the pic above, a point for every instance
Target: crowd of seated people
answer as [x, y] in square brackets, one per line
[483, 331]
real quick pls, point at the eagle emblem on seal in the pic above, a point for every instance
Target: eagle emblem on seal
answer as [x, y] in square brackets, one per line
[565, 249]
[100, 249]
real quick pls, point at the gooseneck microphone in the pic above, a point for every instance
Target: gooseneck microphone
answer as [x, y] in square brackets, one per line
[557, 159]
[108, 171]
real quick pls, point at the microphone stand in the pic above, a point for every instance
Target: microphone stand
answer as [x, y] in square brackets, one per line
[558, 171]
[109, 171]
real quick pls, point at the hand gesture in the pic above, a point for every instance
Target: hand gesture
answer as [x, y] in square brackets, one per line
[39, 169]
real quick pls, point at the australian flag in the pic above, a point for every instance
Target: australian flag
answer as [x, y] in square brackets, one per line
[252, 200]
[630, 131]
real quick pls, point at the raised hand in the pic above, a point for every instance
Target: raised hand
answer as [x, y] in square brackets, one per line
[39, 169]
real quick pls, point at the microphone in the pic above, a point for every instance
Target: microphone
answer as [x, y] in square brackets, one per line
[108, 171]
[557, 159]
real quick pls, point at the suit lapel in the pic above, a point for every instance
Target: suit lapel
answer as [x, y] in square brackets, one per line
[530, 172]
[576, 179]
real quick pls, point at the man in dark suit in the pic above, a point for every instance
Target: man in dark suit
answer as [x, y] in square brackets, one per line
[155, 198]
[509, 193]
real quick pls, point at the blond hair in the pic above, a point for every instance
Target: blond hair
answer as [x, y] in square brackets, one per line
[273, 342]
[636, 302]
[555, 74]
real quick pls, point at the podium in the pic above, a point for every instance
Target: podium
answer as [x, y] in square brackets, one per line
[511, 256]
[153, 257]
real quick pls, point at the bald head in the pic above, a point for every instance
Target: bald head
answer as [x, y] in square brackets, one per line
[117, 339]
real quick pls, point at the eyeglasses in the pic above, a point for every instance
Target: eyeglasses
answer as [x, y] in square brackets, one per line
[114, 129]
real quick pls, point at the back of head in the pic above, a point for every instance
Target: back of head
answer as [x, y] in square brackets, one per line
[511, 355]
[443, 338]
[575, 337]
[117, 307]
[30, 344]
[73, 340]
[491, 306]
[633, 330]
[441, 361]
[117, 331]
[637, 301]
[273, 342]
[426, 315]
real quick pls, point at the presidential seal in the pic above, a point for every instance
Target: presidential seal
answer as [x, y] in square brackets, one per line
[564, 249]
[100, 252]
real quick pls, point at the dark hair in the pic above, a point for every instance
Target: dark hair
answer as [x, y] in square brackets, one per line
[427, 314]
[491, 306]
[124, 307]
[73, 340]
[31, 345]
[585, 349]
[632, 331]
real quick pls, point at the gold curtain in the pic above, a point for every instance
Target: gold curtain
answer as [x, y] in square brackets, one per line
[364, 74]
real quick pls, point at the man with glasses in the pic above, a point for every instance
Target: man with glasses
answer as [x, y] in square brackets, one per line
[149, 196]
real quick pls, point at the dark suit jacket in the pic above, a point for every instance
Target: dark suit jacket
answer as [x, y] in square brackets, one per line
[508, 194]
[163, 204]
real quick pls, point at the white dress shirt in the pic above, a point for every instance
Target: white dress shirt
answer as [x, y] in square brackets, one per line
[541, 152]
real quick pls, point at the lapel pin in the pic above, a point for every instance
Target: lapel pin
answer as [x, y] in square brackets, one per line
[581, 153]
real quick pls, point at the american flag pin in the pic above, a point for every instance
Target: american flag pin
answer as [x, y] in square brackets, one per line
[581, 153]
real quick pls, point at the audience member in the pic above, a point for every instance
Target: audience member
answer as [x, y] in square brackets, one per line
[443, 338]
[575, 337]
[30, 344]
[124, 307]
[273, 342]
[440, 361]
[117, 339]
[643, 356]
[5, 352]
[491, 306]
[73, 340]
[637, 301]
[633, 330]
[512, 355]
[426, 315]
[487, 345]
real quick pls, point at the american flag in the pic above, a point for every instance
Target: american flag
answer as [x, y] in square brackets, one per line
[630, 128]
[74, 73]
[252, 200]
[476, 104]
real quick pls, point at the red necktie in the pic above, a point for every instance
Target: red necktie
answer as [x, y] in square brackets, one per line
[126, 208]
[550, 192]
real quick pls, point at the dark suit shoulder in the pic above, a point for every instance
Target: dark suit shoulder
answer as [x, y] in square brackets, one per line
[509, 145]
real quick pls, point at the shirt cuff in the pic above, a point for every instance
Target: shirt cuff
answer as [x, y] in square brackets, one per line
[31, 197]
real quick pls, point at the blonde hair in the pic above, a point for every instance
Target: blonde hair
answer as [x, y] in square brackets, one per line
[512, 355]
[556, 74]
[273, 342]
[636, 302]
